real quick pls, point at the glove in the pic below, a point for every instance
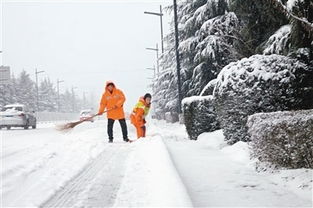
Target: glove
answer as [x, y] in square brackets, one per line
[144, 121]
[99, 113]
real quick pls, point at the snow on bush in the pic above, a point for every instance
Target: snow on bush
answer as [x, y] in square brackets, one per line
[284, 139]
[199, 115]
[209, 88]
[260, 83]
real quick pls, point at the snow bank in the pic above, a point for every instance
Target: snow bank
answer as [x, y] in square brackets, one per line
[212, 140]
[151, 178]
[284, 139]
[238, 152]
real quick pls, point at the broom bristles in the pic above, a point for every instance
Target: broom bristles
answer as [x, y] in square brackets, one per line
[71, 125]
[67, 126]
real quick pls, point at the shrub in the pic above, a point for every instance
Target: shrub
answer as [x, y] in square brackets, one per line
[284, 139]
[199, 115]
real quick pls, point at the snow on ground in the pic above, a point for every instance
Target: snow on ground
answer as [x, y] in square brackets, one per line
[35, 164]
[216, 174]
[46, 168]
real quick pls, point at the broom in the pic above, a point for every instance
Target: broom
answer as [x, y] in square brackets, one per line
[71, 125]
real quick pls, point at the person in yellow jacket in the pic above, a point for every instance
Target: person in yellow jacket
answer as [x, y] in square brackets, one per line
[139, 113]
[113, 100]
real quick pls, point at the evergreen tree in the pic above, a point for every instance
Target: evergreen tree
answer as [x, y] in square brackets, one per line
[25, 91]
[47, 96]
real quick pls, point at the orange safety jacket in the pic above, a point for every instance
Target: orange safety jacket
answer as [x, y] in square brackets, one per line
[139, 113]
[113, 102]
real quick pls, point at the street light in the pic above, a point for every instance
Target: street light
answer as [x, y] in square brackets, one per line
[58, 88]
[157, 55]
[177, 58]
[161, 23]
[37, 91]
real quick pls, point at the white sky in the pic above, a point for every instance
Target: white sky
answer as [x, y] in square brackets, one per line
[84, 43]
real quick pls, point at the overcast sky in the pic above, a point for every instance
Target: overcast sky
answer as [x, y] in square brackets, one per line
[84, 43]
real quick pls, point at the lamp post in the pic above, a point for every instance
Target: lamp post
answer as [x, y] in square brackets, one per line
[157, 56]
[161, 24]
[177, 57]
[37, 90]
[58, 89]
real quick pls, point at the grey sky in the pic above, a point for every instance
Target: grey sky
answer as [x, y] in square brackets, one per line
[83, 43]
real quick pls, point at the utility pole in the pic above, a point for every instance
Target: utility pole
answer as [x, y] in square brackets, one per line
[37, 90]
[177, 57]
[157, 56]
[58, 89]
[161, 24]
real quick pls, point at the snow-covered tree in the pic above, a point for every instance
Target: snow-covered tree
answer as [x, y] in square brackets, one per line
[25, 91]
[206, 33]
[8, 92]
[47, 96]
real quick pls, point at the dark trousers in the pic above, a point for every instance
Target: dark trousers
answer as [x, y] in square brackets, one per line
[123, 127]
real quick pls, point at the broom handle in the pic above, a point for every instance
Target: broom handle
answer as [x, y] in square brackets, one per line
[96, 115]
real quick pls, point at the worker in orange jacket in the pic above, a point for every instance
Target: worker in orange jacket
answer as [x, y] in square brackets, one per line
[139, 113]
[113, 100]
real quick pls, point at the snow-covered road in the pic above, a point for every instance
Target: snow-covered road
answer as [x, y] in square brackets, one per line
[46, 168]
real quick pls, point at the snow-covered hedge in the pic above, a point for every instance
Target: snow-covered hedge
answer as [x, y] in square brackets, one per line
[199, 115]
[260, 83]
[284, 139]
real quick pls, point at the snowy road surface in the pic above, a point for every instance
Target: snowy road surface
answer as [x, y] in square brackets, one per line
[45, 168]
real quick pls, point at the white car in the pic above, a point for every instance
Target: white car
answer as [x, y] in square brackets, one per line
[85, 115]
[17, 116]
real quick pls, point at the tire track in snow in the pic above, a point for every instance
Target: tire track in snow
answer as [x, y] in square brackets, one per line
[97, 184]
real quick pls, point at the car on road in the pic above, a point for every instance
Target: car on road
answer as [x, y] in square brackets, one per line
[17, 115]
[86, 114]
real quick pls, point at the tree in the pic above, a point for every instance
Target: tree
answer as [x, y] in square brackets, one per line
[47, 96]
[25, 91]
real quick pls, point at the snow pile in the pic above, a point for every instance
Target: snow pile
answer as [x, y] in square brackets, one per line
[212, 140]
[284, 139]
[260, 83]
[199, 115]
[151, 178]
[278, 43]
[239, 152]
